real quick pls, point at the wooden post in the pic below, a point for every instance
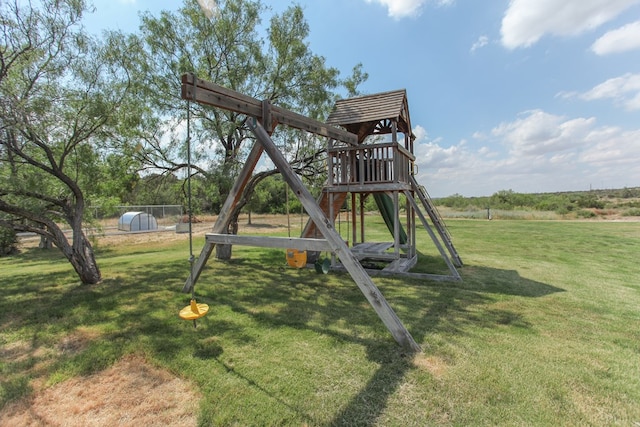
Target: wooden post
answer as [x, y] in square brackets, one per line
[354, 222]
[411, 226]
[396, 225]
[362, 198]
[357, 272]
[396, 154]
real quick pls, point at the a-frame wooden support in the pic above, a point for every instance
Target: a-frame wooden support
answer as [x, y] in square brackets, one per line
[338, 246]
[224, 219]
[322, 223]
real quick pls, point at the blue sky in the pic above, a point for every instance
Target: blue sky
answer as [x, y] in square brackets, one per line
[528, 95]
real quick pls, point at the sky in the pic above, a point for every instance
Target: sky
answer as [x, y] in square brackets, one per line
[524, 95]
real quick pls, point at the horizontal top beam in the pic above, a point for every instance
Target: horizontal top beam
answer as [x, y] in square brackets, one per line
[209, 93]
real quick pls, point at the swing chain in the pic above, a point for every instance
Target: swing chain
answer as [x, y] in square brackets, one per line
[193, 311]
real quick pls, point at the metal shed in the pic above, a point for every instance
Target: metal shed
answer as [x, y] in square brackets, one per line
[137, 221]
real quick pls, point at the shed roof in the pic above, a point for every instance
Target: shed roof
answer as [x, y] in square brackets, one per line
[127, 217]
[369, 108]
[371, 114]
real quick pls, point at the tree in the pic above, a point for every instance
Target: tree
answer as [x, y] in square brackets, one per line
[229, 49]
[59, 91]
[8, 240]
[154, 189]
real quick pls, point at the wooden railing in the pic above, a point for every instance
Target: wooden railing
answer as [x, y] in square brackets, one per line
[370, 164]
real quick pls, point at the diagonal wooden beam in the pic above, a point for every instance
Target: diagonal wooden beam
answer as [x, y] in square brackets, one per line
[425, 224]
[338, 246]
[222, 223]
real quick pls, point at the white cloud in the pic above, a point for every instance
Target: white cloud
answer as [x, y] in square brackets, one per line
[624, 90]
[612, 148]
[209, 7]
[633, 103]
[536, 152]
[399, 9]
[564, 94]
[619, 40]
[480, 43]
[420, 133]
[526, 21]
[539, 133]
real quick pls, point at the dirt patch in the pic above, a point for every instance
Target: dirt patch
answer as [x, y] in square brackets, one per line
[20, 351]
[78, 340]
[131, 392]
[436, 366]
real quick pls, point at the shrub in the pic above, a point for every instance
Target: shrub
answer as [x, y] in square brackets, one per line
[8, 240]
[558, 203]
[632, 212]
[628, 193]
[585, 213]
[589, 201]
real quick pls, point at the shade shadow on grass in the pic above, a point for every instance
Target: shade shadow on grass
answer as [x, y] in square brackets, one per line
[139, 305]
[304, 300]
[443, 301]
[39, 312]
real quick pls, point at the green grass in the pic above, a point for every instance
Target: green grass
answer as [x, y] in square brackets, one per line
[544, 329]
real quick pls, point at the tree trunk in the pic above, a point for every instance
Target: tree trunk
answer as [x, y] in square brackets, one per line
[45, 243]
[84, 262]
[223, 252]
[79, 252]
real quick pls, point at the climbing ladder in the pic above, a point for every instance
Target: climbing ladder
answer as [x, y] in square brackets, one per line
[437, 221]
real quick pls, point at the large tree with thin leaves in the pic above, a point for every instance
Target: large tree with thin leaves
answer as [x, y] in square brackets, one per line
[60, 91]
[233, 48]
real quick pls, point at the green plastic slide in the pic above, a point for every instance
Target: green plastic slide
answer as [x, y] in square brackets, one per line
[385, 205]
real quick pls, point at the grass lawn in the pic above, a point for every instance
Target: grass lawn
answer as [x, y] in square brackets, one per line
[544, 329]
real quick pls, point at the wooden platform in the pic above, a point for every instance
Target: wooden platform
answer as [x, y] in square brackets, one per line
[374, 250]
[378, 251]
[402, 265]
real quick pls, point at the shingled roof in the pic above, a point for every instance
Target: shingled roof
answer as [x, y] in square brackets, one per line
[371, 109]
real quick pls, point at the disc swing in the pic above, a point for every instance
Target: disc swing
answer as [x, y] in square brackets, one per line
[194, 310]
[296, 258]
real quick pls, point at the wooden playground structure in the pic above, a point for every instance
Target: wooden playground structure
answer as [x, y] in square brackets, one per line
[362, 162]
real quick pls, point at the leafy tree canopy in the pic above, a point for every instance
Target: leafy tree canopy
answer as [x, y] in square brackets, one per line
[60, 91]
[235, 49]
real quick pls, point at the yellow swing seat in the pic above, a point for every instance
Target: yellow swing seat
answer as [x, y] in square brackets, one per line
[194, 310]
[296, 258]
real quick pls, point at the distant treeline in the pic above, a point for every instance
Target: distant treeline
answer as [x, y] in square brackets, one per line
[270, 197]
[561, 203]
